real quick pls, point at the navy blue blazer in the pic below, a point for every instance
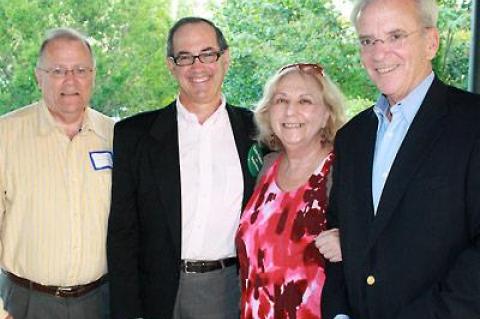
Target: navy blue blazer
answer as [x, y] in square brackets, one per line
[419, 257]
[144, 229]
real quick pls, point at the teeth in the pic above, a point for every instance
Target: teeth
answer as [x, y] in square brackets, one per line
[292, 125]
[385, 69]
[200, 79]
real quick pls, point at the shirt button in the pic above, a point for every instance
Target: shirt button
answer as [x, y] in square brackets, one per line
[370, 280]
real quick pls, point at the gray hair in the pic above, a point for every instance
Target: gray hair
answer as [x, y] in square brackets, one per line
[333, 100]
[65, 34]
[427, 11]
[222, 43]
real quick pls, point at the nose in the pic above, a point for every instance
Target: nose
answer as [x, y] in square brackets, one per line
[379, 49]
[196, 61]
[69, 74]
[290, 108]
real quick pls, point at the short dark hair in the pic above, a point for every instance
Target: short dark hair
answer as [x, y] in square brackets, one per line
[67, 34]
[222, 43]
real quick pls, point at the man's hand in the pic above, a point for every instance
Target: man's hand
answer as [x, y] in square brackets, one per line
[328, 243]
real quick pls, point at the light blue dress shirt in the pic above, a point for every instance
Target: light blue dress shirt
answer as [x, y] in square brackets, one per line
[390, 133]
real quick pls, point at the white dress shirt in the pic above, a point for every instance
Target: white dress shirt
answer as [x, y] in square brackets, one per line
[211, 185]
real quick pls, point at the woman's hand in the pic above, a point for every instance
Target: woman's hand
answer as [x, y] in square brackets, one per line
[328, 243]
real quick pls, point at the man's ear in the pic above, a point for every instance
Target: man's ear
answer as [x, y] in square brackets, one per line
[226, 58]
[433, 42]
[38, 78]
[170, 64]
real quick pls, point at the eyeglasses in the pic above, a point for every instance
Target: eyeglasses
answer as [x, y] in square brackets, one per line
[305, 67]
[394, 40]
[205, 57]
[60, 72]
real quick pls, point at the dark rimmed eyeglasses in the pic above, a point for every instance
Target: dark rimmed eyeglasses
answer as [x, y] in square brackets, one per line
[305, 67]
[205, 57]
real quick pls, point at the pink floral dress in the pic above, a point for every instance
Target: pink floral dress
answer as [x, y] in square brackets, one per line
[281, 270]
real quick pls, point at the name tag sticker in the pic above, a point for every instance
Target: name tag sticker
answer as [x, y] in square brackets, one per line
[101, 160]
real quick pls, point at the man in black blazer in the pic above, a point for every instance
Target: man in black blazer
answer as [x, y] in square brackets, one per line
[180, 181]
[406, 185]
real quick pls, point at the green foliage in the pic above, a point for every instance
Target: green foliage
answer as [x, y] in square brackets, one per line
[128, 39]
[265, 35]
[451, 63]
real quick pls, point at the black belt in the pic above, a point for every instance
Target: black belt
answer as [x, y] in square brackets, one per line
[201, 266]
[65, 292]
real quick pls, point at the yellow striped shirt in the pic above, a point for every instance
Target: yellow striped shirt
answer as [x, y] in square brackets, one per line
[55, 203]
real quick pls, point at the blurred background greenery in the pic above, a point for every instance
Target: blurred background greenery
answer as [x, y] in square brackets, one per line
[129, 39]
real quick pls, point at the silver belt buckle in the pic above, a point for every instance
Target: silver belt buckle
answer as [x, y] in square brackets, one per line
[185, 268]
[62, 289]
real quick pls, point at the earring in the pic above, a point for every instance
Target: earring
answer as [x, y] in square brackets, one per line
[323, 135]
[272, 142]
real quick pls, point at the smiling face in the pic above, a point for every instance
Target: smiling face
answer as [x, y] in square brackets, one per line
[200, 83]
[297, 112]
[396, 71]
[68, 96]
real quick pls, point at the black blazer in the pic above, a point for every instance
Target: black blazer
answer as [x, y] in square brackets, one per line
[422, 249]
[144, 229]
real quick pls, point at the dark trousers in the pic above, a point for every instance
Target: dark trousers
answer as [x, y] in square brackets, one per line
[24, 303]
[210, 295]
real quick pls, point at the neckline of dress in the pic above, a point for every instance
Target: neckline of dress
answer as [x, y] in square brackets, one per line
[318, 170]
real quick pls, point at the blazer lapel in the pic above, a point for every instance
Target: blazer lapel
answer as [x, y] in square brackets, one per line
[165, 162]
[240, 134]
[426, 127]
[363, 171]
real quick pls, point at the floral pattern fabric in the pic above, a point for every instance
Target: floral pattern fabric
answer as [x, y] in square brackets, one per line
[281, 270]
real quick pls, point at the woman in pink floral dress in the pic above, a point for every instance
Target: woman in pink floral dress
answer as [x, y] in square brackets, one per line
[281, 268]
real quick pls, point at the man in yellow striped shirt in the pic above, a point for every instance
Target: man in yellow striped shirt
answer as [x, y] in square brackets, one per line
[55, 176]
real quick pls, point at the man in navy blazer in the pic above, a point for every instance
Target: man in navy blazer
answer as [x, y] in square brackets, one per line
[406, 185]
[180, 181]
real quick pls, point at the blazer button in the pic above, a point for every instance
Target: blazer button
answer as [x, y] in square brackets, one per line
[370, 280]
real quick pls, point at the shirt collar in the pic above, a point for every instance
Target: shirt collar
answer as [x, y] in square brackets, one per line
[409, 106]
[188, 116]
[91, 122]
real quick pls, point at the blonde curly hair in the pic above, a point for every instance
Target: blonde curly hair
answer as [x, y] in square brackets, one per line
[333, 99]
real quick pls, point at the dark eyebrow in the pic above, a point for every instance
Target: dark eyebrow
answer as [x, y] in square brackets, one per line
[209, 49]
[184, 53]
[190, 53]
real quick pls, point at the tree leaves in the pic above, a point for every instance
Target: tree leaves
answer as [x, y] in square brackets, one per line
[129, 40]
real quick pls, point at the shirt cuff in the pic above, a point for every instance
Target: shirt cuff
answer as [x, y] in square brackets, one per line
[341, 316]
